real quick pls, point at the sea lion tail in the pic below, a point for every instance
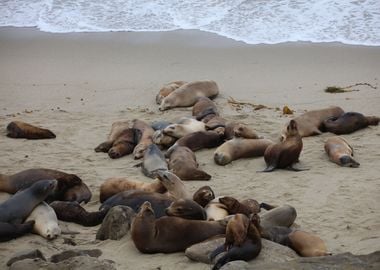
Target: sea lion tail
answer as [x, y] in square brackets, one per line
[373, 120]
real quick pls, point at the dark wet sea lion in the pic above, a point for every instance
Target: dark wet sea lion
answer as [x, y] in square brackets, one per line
[79, 193]
[204, 107]
[235, 207]
[167, 89]
[186, 209]
[18, 207]
[183, 163]
[204, 195]
[199, 140]
[284, 154]
[74, 212]
[169, 234]
[340, 152]
[18, 129]
[153, 161]
[349, 122]
[9, 231]
[145, 138]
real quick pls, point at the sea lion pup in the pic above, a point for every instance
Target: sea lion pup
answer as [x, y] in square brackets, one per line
[247, 208]
[349, 122]
[240, 148]
[198, 140]
[284, 154]
[74, 212]
[163, 140]
[186, 126]
[117, 129]
[113, 186]
[215, 210]
[340, 152]
[203, 195]
[18, 207]
[188, 94]
[153, 161]
[311, 122]
[183, 163]
[18, 129]
[204, 107]
[79, 193]
[186, 208]
[167, 89]
[169, 234]
[144, 140]
[46, 222]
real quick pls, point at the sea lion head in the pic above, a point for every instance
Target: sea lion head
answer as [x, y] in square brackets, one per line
[348, 161]
[221, 158]
[291, 129]
[172, 130]
[186, 209]
[231, 203]
[52, 231]
[241, 130]
[169, 179]
[139, 150]
[204, 195]
[166, 103]
[146, 210]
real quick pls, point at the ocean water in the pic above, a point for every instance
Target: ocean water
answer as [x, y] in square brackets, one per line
[251, 21]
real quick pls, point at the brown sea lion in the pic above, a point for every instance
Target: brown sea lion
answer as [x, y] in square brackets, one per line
[9, 231]
[18, 207]
[124, 144]
[183, 163]
[114, 185]
[188, 94]
[162, 139]
[349, 122]
[240, 148]
[235, 207]
[18, 129]
[167, 89]
[234, 129]
[340, 152]
[311, 122]
[153, 161]
[74, 212]
[79, 193]
[199, 140]
[145, 139]
[169, 234]
[186, 209]
[284, 154]
[204, 107]
[217, 124]
[186, 126]
[204, 195]
[116, 129]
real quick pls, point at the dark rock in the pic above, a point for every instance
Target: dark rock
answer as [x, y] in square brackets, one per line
[67, 254]
[26, 254]
[236, 265]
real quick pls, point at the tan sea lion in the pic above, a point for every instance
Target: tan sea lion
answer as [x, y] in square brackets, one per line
[117, 129]
[114, 185]
[153, 161]
[311, 122]
[204, 195]
[284, 154]
[349, 122]
[340, 152]
[188, 209]
[18, 129]
[169, 234]
[163, 140]
[198, 140]
[234, 206]
[183, 128]
[175, 187]
[46, 222]
[183, 163]
[216, 210]
[145, 140]
[204, 107]
[188, 94]
[167, 89]
[240, 148]
[240, 130]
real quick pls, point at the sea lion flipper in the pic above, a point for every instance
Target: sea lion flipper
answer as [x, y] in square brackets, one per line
[216, 252]
[291, 168]
[104, 147]
[270, 168]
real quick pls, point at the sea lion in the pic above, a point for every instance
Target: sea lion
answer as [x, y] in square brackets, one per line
[183, 163]
[18, 207]
[204, 107]
[311, 122]
[183, 128]
[153, 161]
[188, 94]
[199, 140]
[175, 187]
[124, 144]
[340, 152]
[216, 210]
[117, 129]
[163, 140]
[279, 216]
[235, 207]
[186, 208]
[349, 122]
[9, 231]
[240, 148]
[160, 125]
[234, 129]
[114, 185]
[18, 129]
[145, 139]
[204, 195]
[284, 154]
[74, 212]
[169, 234]
[217, 124]
[46, 222]
[79, 193]
[167, 89]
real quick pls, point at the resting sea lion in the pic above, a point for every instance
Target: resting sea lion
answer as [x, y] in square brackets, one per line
[167, 89]
[310, 123]
[340, 152]
[175, 187]
[183, 163]
[169, 234]
[188, 94]
[204, 107]
[160, 138]
[113, 186]
[204, 195]
[349, 122]
[18, 207]
[240, 148]
[217, 124]
[79, 193]
[279, 216]
[284, 154]
[18, 129]
[10, 231]
[186, 126]
[199, 140]
[235, 207]
[160, 125]
[124, 144]
[153, 161]
[73, 212]
[145, 139]
[186, 209]
[116, 130]
[46, 222]
[216, 210]
[234, 129]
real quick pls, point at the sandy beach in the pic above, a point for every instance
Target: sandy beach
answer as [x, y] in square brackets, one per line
[77, 84]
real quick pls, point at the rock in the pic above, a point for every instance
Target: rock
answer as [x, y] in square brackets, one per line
[74, 253]
[26, 254]
[235, 265]
[116, 223]
[200, 252]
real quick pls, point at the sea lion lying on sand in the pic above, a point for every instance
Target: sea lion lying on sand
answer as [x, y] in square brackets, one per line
[340, 152]
[186, 126]
[167, 89]
[153, 161]
[186, 208]
[18, 129]
[204, 107]
[146, 132]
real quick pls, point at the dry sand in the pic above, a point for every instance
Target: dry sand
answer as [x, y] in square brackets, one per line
[78, 84]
